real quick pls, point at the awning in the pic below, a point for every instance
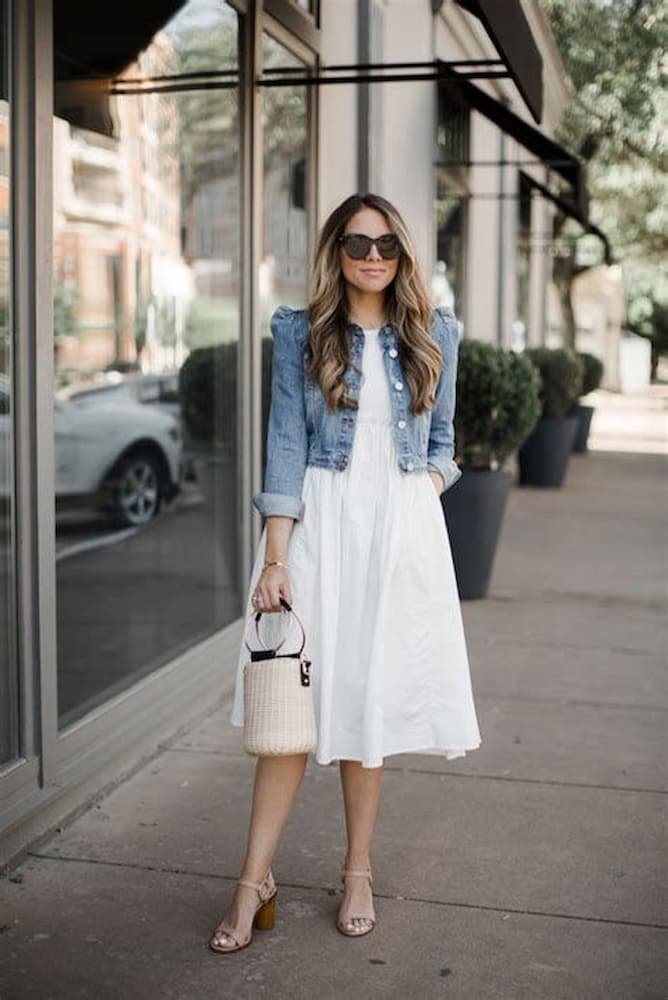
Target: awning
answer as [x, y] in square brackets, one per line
[568, 209]
[506, 25]
[95, 41]
[532, 139]
[575, 202]
[91, 48]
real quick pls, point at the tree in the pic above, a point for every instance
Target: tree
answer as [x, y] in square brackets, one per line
[616, 122]
[65, 307]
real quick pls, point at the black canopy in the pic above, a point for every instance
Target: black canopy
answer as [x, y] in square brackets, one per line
[506, 25]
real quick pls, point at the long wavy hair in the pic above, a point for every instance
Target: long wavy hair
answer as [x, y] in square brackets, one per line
[407, 308]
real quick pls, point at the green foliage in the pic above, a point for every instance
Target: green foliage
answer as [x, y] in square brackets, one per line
[208, 383]
[649, 318]
[612, 50]
[65, 304]
[617, 121]
[497, 403]
[210, 321]
[208, 138]
[140, 323]
[592, 372]
[561, 372]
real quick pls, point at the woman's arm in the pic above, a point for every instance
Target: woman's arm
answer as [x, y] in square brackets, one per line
[281, 503]
[274, 581]
[286, 433]
[441, 447]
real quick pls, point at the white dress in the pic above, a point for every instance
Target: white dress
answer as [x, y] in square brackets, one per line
[373, 583]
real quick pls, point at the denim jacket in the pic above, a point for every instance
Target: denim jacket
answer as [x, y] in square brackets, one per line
[302, 431]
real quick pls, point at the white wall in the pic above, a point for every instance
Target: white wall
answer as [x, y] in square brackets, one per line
[541, 228]
[404, 172]
[598, 300]
[337, 134]
[403, 143]
[483, 237]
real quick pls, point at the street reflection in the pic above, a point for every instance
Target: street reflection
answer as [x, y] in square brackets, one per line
[146, 331]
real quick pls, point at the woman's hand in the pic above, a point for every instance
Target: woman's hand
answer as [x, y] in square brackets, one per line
[273, 584]
[438, 481]
[274, 581]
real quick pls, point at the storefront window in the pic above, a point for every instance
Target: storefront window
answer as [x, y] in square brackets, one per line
[283, 278]
[448, 279]
[9, 703]
[146, 337]
[519, 331]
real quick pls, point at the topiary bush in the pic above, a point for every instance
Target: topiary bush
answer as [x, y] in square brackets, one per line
[592, 372]
[560, 373]
[497, 403]
[208, 392]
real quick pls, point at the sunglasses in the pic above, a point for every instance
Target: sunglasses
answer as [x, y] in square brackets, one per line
[357, 245]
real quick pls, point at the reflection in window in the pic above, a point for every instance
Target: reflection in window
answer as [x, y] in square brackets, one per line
[146, 331]
[9, 705]
[448, 280]
[283, 278]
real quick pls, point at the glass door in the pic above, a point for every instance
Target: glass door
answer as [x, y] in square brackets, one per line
[146, 302]
[283, 277]
[9, 688]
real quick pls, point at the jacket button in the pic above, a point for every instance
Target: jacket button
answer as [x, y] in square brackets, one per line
[393, 352]
[401, 424]
[399, 385]
[410, 466]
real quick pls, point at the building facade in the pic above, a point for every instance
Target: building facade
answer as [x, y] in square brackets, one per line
[162, 179]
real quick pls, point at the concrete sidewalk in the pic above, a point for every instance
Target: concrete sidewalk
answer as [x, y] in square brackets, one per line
[530, 869]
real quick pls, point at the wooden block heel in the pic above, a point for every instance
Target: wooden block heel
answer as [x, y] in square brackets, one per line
[266, 915]
[225, 941]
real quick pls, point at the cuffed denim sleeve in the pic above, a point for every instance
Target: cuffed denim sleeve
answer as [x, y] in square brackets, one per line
[441, 447]
[286, 434]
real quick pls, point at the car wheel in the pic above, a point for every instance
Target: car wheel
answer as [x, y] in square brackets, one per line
[135, 492]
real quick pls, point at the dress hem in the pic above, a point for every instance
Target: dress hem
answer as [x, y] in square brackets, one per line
[450, 753]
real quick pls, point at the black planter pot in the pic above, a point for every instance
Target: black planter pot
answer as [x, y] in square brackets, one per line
[543, 458]
[474, 509]
[583, 415]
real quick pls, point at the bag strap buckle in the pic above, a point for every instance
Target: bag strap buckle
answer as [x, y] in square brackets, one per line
[305, 671]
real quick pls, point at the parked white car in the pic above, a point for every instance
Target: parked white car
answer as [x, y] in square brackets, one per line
[124, 458]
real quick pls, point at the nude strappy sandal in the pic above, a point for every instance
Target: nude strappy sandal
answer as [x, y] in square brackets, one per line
[348, 926]
[265, 915]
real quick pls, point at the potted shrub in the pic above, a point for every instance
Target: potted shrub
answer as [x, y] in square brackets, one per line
[208, 394]
[497, 406]
[208, 383]
[592, 373]
[543, 458]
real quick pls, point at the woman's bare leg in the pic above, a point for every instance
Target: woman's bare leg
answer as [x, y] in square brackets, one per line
[277, 781]
[361, 797]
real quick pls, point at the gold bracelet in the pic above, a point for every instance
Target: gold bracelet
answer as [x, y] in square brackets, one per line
[275, 562]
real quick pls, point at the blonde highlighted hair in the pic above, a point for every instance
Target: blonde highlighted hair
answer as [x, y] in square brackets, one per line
[407, 307]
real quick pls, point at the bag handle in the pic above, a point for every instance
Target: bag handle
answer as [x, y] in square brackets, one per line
[257, 615]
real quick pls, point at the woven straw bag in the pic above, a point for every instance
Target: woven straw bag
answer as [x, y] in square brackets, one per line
[279, 716]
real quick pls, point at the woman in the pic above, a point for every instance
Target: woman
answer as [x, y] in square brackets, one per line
[360, 446]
